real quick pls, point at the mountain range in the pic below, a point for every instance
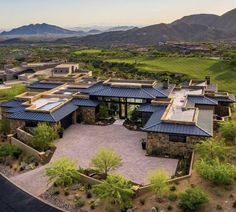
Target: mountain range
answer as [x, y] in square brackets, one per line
[200, 27]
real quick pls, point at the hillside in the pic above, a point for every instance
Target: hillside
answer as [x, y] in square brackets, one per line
[202, 27]
[39, 29]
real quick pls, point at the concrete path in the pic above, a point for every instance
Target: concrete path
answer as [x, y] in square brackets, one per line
[33, 181]
[81, 142]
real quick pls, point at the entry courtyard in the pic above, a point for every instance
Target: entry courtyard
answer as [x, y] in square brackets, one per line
[81, 143]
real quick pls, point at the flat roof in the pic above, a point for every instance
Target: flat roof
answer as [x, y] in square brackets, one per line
[177, 112]
[66, 65]
[47, 103]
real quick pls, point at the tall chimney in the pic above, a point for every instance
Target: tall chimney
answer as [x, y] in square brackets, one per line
[165, 83]
[208, 79]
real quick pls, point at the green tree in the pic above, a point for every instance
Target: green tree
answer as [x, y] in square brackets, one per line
[215, 171]
[228, 130]
[4, 126]
[43, 136]
[115, 189]
[211, 149]
[63, 172]
[106, 160]
[192, 199]
[159, 182]
[103, 112]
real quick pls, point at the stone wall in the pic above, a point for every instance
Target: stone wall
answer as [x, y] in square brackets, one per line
[160, 143]
[14, 124]
[87, 115]
[24, 136]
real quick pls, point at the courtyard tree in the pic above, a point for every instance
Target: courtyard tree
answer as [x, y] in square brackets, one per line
[115, 189]
[63, 172]
[228, 130]
[216, 172]
[43, 135]
[211, 149]
[103, 112]
[106, 160]
[192, 199]
[159, 182]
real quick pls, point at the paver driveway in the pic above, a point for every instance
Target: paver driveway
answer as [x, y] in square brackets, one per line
[81, 142]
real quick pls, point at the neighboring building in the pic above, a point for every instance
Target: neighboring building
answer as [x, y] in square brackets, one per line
[174, 118]
[65, 69]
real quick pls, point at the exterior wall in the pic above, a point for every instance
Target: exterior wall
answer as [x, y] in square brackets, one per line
[27, 149]
[24, 136]
[160, 142]
[87, 115]
[14, 124]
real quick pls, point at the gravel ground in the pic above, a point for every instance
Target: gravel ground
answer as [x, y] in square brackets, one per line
[59, 202]
[6, 171]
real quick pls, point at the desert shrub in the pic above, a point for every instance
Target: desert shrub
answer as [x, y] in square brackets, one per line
[216, 172]
[63, 172]
[159, 182]
[211, 149]
[115, 189]
[89, 194]
[43, 136]
[192, 199]
[4, 126]
[172, 188]
[234, 204]
[106, 160]
[219, 207]
[228, 130]
[79, 203]
[9, 150]
[169, 208]
[142, 201]
[173, 197]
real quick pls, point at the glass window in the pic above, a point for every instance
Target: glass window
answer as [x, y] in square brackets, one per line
[177, 138]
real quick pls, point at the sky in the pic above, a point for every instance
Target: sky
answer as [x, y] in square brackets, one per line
[75, 13]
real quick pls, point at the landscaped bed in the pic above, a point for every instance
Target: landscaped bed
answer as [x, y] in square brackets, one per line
[13, 161]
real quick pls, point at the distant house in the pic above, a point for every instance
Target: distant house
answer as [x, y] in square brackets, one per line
[65, 69]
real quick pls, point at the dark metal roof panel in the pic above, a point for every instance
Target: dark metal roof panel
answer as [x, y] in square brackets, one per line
[123, 92]
[53, 117]
[94, 88]
[15, 109]
[205, 121]
[86, 102]
[12, 103]
[64, 111]
[169, 128]
[149, 108]
[230, 99]
[155, 117]
[201, 100]
[42, 85]
[32, 116]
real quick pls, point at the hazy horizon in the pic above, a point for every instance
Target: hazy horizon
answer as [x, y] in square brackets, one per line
[82, 13]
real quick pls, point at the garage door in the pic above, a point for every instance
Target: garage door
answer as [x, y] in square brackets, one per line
[67, 121]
